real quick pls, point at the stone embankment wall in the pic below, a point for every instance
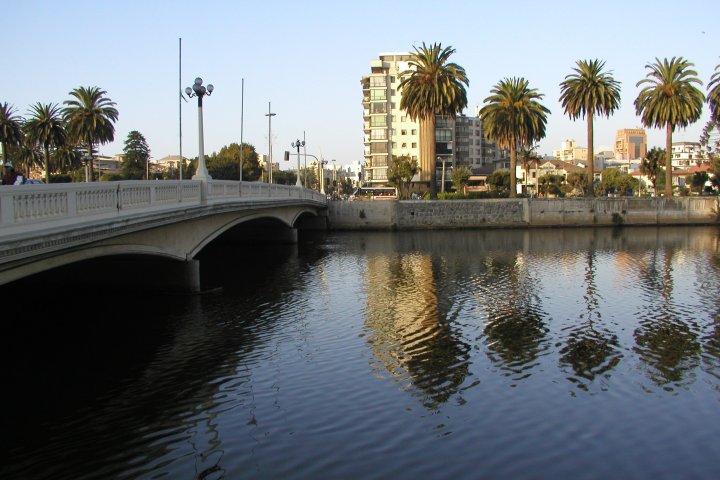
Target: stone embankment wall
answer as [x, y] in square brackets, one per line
[520, 213]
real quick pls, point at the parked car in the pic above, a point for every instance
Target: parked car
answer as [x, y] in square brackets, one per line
[33, 181]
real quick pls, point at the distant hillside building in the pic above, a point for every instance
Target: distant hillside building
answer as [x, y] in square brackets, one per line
[686, 154]
[570, 152]
[630, 144]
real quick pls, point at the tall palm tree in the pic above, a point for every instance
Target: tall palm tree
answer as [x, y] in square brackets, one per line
[586, 92]
[432, 86]
[713, 100]
[670, 99]
[513, 117]
[90, 116]
[11, 134]
[45, 127]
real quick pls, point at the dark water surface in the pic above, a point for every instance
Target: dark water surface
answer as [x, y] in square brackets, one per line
[568, 353]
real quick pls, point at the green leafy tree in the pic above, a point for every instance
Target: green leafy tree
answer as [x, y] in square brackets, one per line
[697, 181]
[135, 157]
[285, 177]
[45, 128]
[651, 166]
[309, 177]
[588, 91]
[615, 181]
[432, 86]
[550, 183]
[499, 181]
[225, 164]
[460, 177]
[90, 117]
[513, 117]
[669, 99]
[577, 180]
[401, 172]
[11, 133]
[251, 164]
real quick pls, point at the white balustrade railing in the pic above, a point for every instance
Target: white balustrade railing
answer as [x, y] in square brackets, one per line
[31, 204]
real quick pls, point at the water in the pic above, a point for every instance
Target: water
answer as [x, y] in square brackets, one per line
[567, 353]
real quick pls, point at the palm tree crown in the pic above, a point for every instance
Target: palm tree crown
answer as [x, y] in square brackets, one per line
[90, 116]
[45, 127]
[432, 86]
[11, 133]
[713, 100]
[669, 99]
[514, 118]
[586, 92]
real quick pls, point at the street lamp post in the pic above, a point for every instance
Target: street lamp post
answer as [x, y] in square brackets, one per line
[334, 177]
[270, 166]
[198, 90]
[322, 175]
[297, 144]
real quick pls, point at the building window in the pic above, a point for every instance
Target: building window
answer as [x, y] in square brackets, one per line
[414, 144]
[378, 147]
[403, 132]
[378, 107]
[414, 131]
[378, 81]
[404, 145]
[378, 121]
[378, 95]
[378, 134]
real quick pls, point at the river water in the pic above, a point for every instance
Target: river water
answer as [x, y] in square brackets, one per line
[559, 353]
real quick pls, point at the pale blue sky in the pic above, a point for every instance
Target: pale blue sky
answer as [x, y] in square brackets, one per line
[307, 58]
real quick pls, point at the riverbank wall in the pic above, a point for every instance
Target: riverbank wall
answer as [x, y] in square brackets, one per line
[520, 213]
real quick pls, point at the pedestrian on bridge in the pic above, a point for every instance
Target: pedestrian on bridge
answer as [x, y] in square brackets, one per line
[10, 177]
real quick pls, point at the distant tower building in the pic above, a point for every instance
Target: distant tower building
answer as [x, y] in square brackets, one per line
[630, 144]
[389, 131]
[571, 153]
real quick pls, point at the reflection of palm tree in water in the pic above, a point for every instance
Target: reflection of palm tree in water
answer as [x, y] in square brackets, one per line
[515, 329]
[590, 351]
[663, 341]
[410, 337]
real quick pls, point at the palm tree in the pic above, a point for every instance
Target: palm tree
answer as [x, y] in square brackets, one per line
[27, 155]
[713, 100]
[669, 100]
[586, 92]
[513, 117]
[45, 127]
[432, 86]
[90, 116]
[11, 133]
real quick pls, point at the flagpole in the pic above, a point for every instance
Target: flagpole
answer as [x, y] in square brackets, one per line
[242, 99]
[180, 101]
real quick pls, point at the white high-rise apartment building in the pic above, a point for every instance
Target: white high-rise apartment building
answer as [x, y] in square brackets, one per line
[389, 131]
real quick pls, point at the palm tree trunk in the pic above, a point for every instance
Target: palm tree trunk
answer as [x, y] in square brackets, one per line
[590, 155]
[92, 163]
[668, 161]
[513, 166]
[47, 163]
[427, 153]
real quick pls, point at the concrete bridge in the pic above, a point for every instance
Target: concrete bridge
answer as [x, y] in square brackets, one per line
[43, 227]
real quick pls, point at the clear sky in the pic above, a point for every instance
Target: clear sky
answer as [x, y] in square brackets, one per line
[307, 58]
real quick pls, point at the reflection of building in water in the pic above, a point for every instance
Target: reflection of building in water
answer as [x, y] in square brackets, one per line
[409, 336]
